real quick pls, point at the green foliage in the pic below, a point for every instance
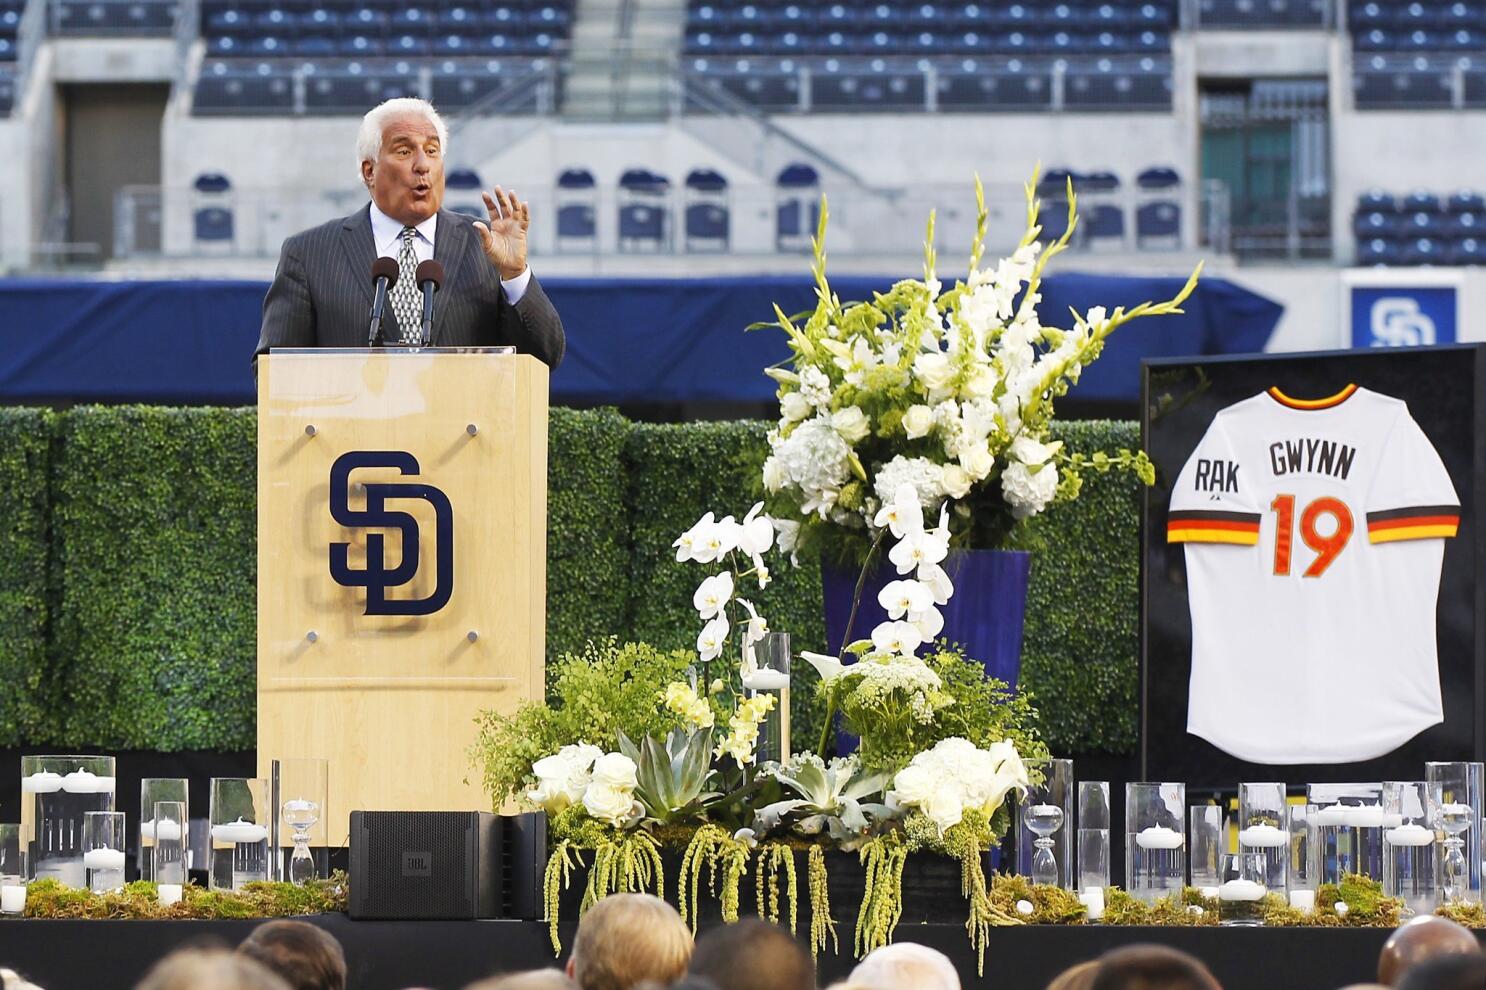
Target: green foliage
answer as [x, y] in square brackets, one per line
[1081, 648]
[141, 901]
[154, 528]
[588, 543]
[32, 686]
[590, 696]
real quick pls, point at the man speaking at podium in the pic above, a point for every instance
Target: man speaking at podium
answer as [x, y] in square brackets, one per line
[325, 286]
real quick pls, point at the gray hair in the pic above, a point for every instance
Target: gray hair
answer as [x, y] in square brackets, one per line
[369, 138]
[906, 966]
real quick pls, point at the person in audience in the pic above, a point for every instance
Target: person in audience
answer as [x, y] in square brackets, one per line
[307, 957]
[1420, 939]
[209, 969]
[1460, 971]
[627, 939]
[905, 966]
[11, 980]
[1077, 977]
[1151, 967]
[752, 955]
[535, 979]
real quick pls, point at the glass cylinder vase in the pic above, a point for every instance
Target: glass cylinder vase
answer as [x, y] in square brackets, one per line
[1044, 825]
[1155, 840]
[1092, 844]
[239, 812]
[1455, 814]
[1348, 824]
[12, 870]
[303, 793]
[1301, 868]
[168, 863]
[103, 850]
[1411, 868]
[1207, 842]
[1262, 829]
[1241, 894]
[767, 675]
[56, 792]
[153, 790]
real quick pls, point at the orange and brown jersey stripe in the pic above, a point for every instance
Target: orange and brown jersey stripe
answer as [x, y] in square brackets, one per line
[1210, 526]
[1420, 522]
[1312, 404]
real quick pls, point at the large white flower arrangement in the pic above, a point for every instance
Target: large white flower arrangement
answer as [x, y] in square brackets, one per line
[949, 391]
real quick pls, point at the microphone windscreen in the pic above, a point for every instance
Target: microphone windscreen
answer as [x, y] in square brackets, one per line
[385, 268]
[430, 271]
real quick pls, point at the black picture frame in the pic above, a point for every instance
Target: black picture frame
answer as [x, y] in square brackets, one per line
[1443, 387]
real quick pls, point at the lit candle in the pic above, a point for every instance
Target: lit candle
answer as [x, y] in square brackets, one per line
[240, 832]
[1093, 899]
[104, 859]
[1241, 890]
[170, 893]
[1263, 836]
[1303, 900]
[1409, 835]
[13, 898]
[1159, 837]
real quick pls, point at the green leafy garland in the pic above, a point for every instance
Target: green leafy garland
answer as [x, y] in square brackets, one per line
[714, 850]
[776, 859]
[140, 901]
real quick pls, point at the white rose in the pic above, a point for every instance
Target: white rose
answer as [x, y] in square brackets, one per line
[955, 481]
[609, 804]
[794, 407]
[615, 770]
[1029, 451]
[851, 423]
[981, 383]
[549, 795]
[918, 421]
[977, 461]
[932, 369]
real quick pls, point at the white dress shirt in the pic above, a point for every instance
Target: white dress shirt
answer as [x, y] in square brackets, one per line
[387, 235]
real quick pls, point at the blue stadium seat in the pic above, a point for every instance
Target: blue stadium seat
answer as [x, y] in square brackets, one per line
[1159, 220]
[1423, 251]
[1467, 251]
[707, 226]
[1098, 182]
[213, 225]
[1466, 201]
[1421, 202]
[1105, 222]
[642, 210]
[1379, 251]
[1158, 177]
[797, 207]
[1377, 201]
[1376, 223]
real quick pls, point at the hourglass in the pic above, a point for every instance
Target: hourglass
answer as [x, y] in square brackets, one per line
[301, 815]
[1042, 820]
[1454, 819]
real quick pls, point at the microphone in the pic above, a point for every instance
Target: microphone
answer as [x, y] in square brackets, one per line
[384, 275]
[430, 276]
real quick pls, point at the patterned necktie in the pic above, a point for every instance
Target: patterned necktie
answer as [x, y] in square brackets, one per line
[406, 305]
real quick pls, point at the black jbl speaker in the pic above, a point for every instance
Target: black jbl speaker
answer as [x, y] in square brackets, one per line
[426, 864]
[525, 869]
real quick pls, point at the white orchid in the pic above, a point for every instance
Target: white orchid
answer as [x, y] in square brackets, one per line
[713, 594]
[755, 537]
[897, 637]
[898, 598]
[716, 541]
[934, 577]
[713, 638]
[928, 621]
[688, 542]
[918, 549]
[902, 515]
[755, 629]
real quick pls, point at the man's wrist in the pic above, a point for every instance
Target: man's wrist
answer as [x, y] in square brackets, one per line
[510, 275]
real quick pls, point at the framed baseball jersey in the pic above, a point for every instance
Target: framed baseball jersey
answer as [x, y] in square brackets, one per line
[1310, 591]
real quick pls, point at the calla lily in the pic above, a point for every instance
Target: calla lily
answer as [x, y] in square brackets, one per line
[828, 667]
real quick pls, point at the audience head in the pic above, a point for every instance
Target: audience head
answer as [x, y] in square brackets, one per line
[905, 966]
[1420, 939]
[752, 955]
[1460, 971]
[628, 939]
[307, 957]
[197, 969]
[11, 980]
[535, 979]
[1077, 977]
[1151, 967]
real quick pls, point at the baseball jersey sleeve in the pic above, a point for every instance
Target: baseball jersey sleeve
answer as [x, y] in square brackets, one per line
[1412, 497]
[1213, 501]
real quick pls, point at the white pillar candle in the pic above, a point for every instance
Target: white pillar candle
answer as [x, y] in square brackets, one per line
[239, 832]
[104, 859]
[170, 893]
[13, 898]
[44, 782]
[83, 782]
[1241, 890]
[1303, 900]
[1093, 899]
[1159, 837]
[1263, 837]
[1409, 835]
[766, 679]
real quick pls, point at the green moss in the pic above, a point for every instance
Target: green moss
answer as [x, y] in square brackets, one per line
[140, 901]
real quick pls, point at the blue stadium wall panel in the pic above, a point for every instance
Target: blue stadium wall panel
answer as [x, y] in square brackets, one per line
[629, 341]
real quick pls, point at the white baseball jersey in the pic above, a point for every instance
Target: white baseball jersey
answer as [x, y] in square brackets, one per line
[1314, 534]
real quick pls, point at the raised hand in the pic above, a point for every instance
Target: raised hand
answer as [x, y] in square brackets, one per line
[504, 236]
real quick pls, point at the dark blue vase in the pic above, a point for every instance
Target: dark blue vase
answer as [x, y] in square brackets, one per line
[984, 616]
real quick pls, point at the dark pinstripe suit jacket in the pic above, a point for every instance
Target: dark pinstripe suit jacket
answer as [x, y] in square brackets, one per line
[322, 293]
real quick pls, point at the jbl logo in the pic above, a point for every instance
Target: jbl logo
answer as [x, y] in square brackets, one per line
[417, 864]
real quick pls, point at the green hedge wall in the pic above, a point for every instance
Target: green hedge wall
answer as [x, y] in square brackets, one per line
[127, 570]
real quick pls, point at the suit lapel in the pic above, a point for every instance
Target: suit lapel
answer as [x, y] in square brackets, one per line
[360, 248]
[452, 240]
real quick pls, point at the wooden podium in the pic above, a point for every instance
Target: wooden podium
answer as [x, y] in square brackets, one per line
[402, 548]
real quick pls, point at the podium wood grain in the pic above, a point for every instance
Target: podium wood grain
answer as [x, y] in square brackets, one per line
[391, 701]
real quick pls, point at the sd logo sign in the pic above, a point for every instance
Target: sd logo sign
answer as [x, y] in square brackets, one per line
[377, 578]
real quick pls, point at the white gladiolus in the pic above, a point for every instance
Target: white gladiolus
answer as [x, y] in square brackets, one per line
[713, 638]
[713, 594]
[815, 387]
[918, 421]
[901, 597]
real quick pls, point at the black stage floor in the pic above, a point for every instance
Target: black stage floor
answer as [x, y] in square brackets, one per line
[445, 955]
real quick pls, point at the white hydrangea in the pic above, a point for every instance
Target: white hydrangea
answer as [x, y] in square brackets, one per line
[925, 477]
[957, 775]
[816, 388]
[1028, 489]
[813, 459]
